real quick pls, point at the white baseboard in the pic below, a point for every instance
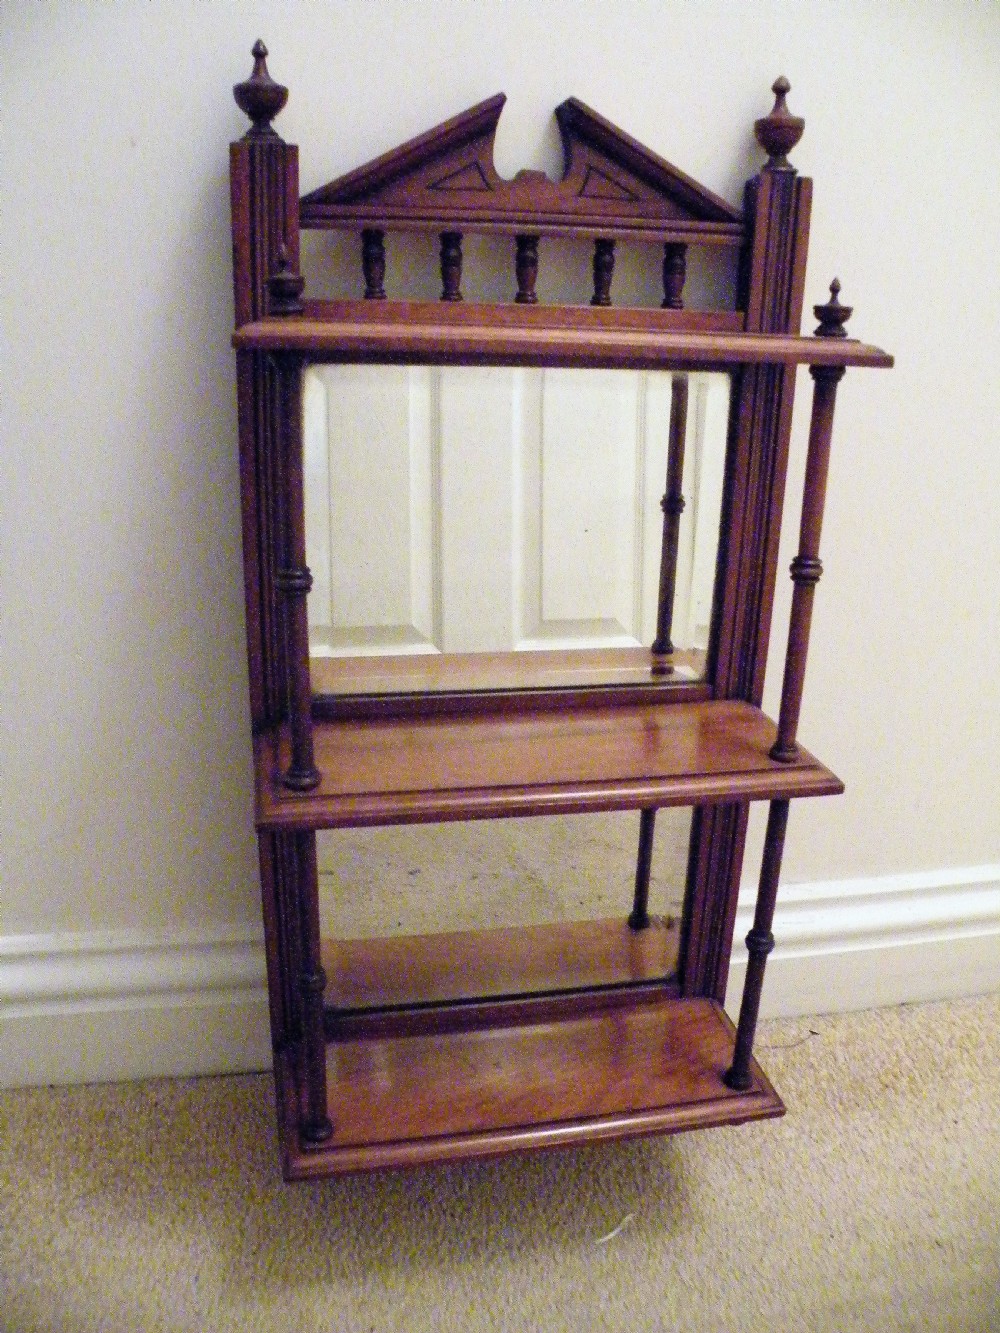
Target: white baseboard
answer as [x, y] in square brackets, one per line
[865, 943]
[78, 1008]
[93, 1008]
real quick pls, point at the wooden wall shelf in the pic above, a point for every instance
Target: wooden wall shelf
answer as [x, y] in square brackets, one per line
[418, 1049]
[533, 762]
[649, 1066]
[439, 333]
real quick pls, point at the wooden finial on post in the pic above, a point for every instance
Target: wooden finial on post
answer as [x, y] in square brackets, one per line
[779, 131]
[284, 286]
[832, 316]
[260, 97]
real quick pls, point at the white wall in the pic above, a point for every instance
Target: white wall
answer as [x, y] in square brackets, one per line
[125, 770]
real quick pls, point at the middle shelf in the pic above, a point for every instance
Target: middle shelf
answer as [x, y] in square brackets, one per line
[536, 761]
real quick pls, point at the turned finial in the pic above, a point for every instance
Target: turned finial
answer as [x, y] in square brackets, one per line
[285, 286]
[832, 316]
[779, 131]
[259, 96]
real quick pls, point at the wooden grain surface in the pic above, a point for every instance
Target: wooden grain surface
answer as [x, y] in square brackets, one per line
[547, 669]
[409, 770]
[431, 332]
[508, 961]
[645, 1067]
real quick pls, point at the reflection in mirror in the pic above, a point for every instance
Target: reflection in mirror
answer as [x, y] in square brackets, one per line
[483, 889]
[455, 515]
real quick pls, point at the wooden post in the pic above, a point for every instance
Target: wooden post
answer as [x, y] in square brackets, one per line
[639, 917]
[451, 266]
[264, 186]
[315, 1124]
[293, 581]
[807, 567]
[772, 278]
[760, 942]
[674, 274]
[526, 268]
[373, 263]
[672, 505]
[604, 268]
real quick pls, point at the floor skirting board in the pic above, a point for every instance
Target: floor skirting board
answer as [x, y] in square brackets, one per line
[91, 1008]
[865, 943]
[80, 1008]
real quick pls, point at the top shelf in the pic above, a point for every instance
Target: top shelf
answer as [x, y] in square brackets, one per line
[444, 333]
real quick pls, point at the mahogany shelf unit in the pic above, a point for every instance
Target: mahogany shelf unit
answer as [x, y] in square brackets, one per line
[423, 1048]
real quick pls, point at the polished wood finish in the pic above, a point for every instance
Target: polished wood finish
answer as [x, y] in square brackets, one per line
[316, 1127]
[500, 679]
[638, 919]
[526, 267]
[397, 1052]
[777, 207]
[674, 275]
[541, 761]
[451, 266]
[432, 334]
[373, 263]
[672, 505]
[265, 202]
[759, 943]
[293, 581]
[652, 1066]
[509, 962]
[604, 268]
[612, 186]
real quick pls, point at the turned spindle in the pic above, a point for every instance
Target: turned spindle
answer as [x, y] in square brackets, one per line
[759, 943]
[807, 567]
[314, 1124]
[526, 269]
[373, 263]
[451, 266]
[260, 97]
[293, 581]
[674, 274]
[672, 505]
[639, 916]
[604, 268]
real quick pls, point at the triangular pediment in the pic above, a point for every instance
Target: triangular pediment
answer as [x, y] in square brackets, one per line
[612, 185]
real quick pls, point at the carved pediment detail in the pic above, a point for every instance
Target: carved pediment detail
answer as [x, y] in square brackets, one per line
[468, 177]
[445, 179]
[598, 184]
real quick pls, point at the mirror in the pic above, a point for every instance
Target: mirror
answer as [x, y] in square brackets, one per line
[495, 890]
[492, 527]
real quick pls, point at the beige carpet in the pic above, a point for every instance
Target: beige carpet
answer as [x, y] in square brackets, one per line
[875, 1204]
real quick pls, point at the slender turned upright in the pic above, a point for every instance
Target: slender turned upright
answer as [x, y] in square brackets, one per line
[293, 581]
[807, 568]
[672, 505]
[315, 1125]
[451, 266]
[760, 942]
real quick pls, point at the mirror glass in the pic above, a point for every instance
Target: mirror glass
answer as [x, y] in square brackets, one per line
[482, 527]
[554, 893]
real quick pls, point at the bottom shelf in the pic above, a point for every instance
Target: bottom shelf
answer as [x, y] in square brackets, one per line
[647, 1064]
